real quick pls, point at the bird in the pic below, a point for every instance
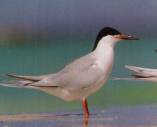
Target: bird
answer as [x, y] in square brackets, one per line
[141, 74]
[80, 78]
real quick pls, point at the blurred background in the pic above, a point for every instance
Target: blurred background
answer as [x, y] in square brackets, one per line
[39, 37]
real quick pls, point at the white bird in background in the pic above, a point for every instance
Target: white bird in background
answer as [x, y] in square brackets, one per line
[81, 78]
[143, 74]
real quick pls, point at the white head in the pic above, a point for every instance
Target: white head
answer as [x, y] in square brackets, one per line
[112, 35]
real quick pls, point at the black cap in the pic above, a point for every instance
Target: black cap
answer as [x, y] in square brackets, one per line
[104, 32]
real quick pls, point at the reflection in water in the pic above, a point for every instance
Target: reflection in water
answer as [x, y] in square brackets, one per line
[104, 120]
[85, 121]
[139, 116]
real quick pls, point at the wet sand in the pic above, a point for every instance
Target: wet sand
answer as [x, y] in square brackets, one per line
[138, 116]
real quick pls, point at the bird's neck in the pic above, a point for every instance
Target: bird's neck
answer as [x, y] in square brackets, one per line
[104, 46]
[104, 53]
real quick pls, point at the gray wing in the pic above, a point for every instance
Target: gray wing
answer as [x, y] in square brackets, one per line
[76, 64]
[22, 80]
[30, 78]
[80, 73]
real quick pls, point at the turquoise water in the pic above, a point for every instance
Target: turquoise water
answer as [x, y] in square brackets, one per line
[37, 58]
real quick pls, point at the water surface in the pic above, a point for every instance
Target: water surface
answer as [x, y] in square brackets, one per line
[37, 58]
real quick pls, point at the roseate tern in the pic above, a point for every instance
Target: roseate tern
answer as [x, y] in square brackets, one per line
[140, 73]
[83, 76]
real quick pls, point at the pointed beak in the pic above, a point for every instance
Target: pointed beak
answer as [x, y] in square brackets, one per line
[126, 37]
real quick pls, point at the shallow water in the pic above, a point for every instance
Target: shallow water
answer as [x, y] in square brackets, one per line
[135, 116]
[37, 58]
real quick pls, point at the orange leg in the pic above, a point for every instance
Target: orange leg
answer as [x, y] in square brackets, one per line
[85, 108]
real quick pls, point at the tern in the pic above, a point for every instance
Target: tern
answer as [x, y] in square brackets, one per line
[140, 73]
[82, 77]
